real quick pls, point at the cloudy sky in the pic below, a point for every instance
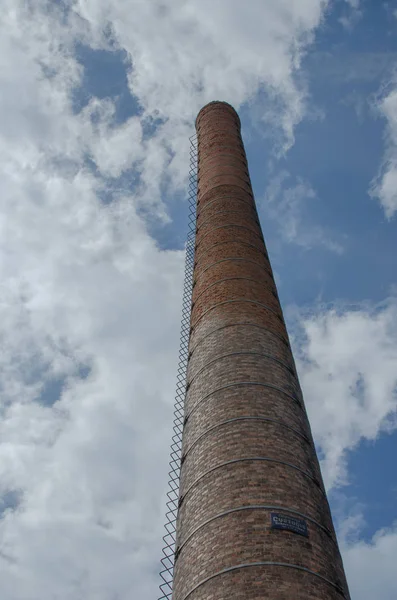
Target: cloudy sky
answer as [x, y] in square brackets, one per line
[97, 103]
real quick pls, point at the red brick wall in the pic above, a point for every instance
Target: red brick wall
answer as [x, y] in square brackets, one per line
[247, 445]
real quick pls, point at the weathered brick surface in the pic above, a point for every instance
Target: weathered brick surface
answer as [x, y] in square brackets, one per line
[233, 267]
[241, 401]
[265, 544]
[223, 167]
[248, 483]
[222, 191]
[236, 311]
[233, 288]
[239, 338]
[230, 249]
[266, 583]
[209, 164]
[229, 232]
[221, 203]
[245, 439]
[232, 217]
[232, 369]
[240, 181]
[247, 446]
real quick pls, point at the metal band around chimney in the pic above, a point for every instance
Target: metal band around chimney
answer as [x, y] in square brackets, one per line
[225, 226]
[234, 185]
[242, 383]
[224, 212]
[239, 156]
[206, 204]
[205, 156]
[226, 154]
[222, 171]
[248, 459]
[234, 301]
[243, 353]
[247, 201]
[327, 531]
[236, 278]
[238, 324]
[243, 176]
[232, 259]
[268, 563]
[241, 242]
[215, 136]
[244, 418]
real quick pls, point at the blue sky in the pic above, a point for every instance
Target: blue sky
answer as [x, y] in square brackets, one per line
[98, 104]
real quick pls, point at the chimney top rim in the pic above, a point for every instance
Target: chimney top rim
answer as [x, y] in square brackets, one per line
[214, 104]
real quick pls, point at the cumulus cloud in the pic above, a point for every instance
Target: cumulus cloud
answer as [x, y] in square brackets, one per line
[185, 54]
[370, 566]
[89, 303]
[346, 357]
[385, 186]
[286, 203]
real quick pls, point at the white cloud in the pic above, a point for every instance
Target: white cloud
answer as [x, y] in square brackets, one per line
[354, 4]
[185, 54]
[346, 359]
[84, 285]
[286, 203]
[370, 566]
[385, 186]
[351, 18]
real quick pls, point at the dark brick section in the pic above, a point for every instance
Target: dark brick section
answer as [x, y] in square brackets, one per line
[247, 445]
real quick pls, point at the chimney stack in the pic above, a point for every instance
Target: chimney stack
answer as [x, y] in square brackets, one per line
[253, 519]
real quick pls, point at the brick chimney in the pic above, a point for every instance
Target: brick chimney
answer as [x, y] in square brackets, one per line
[253, 520]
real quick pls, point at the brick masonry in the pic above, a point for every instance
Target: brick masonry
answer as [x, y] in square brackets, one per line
[247, 444]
